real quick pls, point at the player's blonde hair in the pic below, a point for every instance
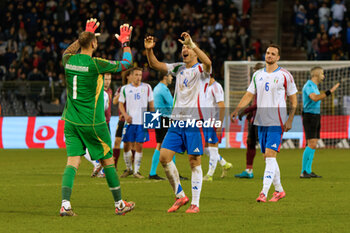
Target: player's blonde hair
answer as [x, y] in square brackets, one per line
[85, 39]
[315, 71]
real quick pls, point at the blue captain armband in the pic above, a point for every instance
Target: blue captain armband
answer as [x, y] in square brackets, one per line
[127, 60]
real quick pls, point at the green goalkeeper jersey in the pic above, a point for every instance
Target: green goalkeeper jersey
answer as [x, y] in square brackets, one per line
[84, 79]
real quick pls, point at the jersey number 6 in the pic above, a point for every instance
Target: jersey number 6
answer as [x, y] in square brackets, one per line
[267, 86]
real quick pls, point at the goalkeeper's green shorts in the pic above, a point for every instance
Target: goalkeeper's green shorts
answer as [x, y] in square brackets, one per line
[96, 139]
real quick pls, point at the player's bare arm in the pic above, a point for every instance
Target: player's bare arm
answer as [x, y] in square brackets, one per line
[321, 96]
[151, 106]
[221, 106]
[294, 102]
[152, 59]
[201, 55]
[246, 99]
[115, 99]
[128, 118]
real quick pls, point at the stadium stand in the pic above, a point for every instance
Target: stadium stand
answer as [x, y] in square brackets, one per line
[321, 30]
[33, 35]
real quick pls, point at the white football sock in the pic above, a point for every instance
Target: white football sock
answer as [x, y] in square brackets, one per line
[269, 174]
[88, 158]
[249, 170]
[213, 160]
[128, 160]
[222, 161]
[66, 204]
[196, 180]
[119, 204]
[206, 151]
[174, 179]
[277, 179]
[137, 162]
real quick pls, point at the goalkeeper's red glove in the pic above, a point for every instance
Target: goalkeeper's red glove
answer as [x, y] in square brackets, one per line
[125, 35]
[92, 25]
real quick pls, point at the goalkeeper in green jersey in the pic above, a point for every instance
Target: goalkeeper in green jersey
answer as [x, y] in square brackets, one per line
[85, 123]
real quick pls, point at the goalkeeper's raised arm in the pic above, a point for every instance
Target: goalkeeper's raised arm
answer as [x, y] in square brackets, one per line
[106, 66]
[88, 44]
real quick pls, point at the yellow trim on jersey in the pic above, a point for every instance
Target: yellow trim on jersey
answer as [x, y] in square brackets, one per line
[101, 59]
[95, 65]
[79, 124]
[98, 91]
[106, 148]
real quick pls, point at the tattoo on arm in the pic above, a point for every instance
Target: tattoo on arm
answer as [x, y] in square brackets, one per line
[73, 48]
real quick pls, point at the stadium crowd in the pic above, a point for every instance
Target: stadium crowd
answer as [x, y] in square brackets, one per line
[33, 34]
[322, 28]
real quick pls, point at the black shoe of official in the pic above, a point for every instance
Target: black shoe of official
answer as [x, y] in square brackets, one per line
[305, 175]
[155, 177]
[183, 178]
[314, 175]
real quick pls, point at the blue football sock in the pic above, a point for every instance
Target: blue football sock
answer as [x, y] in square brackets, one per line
[155, 161]
[309, 162]
[305, 159]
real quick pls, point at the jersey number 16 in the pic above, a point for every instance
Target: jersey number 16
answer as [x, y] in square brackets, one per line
[137, 96]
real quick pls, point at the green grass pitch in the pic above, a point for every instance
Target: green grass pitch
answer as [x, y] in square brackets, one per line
[30, 196]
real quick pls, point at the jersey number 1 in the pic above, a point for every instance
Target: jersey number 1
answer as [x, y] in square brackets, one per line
[75, 86]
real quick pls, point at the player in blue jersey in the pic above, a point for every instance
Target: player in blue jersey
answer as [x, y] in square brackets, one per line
[312, 118]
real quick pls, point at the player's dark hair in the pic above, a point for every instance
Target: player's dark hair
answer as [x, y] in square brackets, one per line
[275, 46]
[128, 72]
[135, 68]
[258, 66]
[161, 75]
[313, 69]
[85, 39]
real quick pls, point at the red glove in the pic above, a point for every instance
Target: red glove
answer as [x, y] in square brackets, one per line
[125, 35]
[92, 25]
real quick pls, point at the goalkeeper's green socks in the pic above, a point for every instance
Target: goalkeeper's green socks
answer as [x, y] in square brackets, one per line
[113, 182]
[67, 185]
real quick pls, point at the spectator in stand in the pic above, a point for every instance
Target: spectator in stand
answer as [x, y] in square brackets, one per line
[335, 45]
[315, 47]
[348, 37]
[324, 47]
[35, 75]
[300, 20]
[311, 12]
[335, 29]
[310, 34]
[338, 9]
[11, 75]
[323, 15]
[169, 46]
